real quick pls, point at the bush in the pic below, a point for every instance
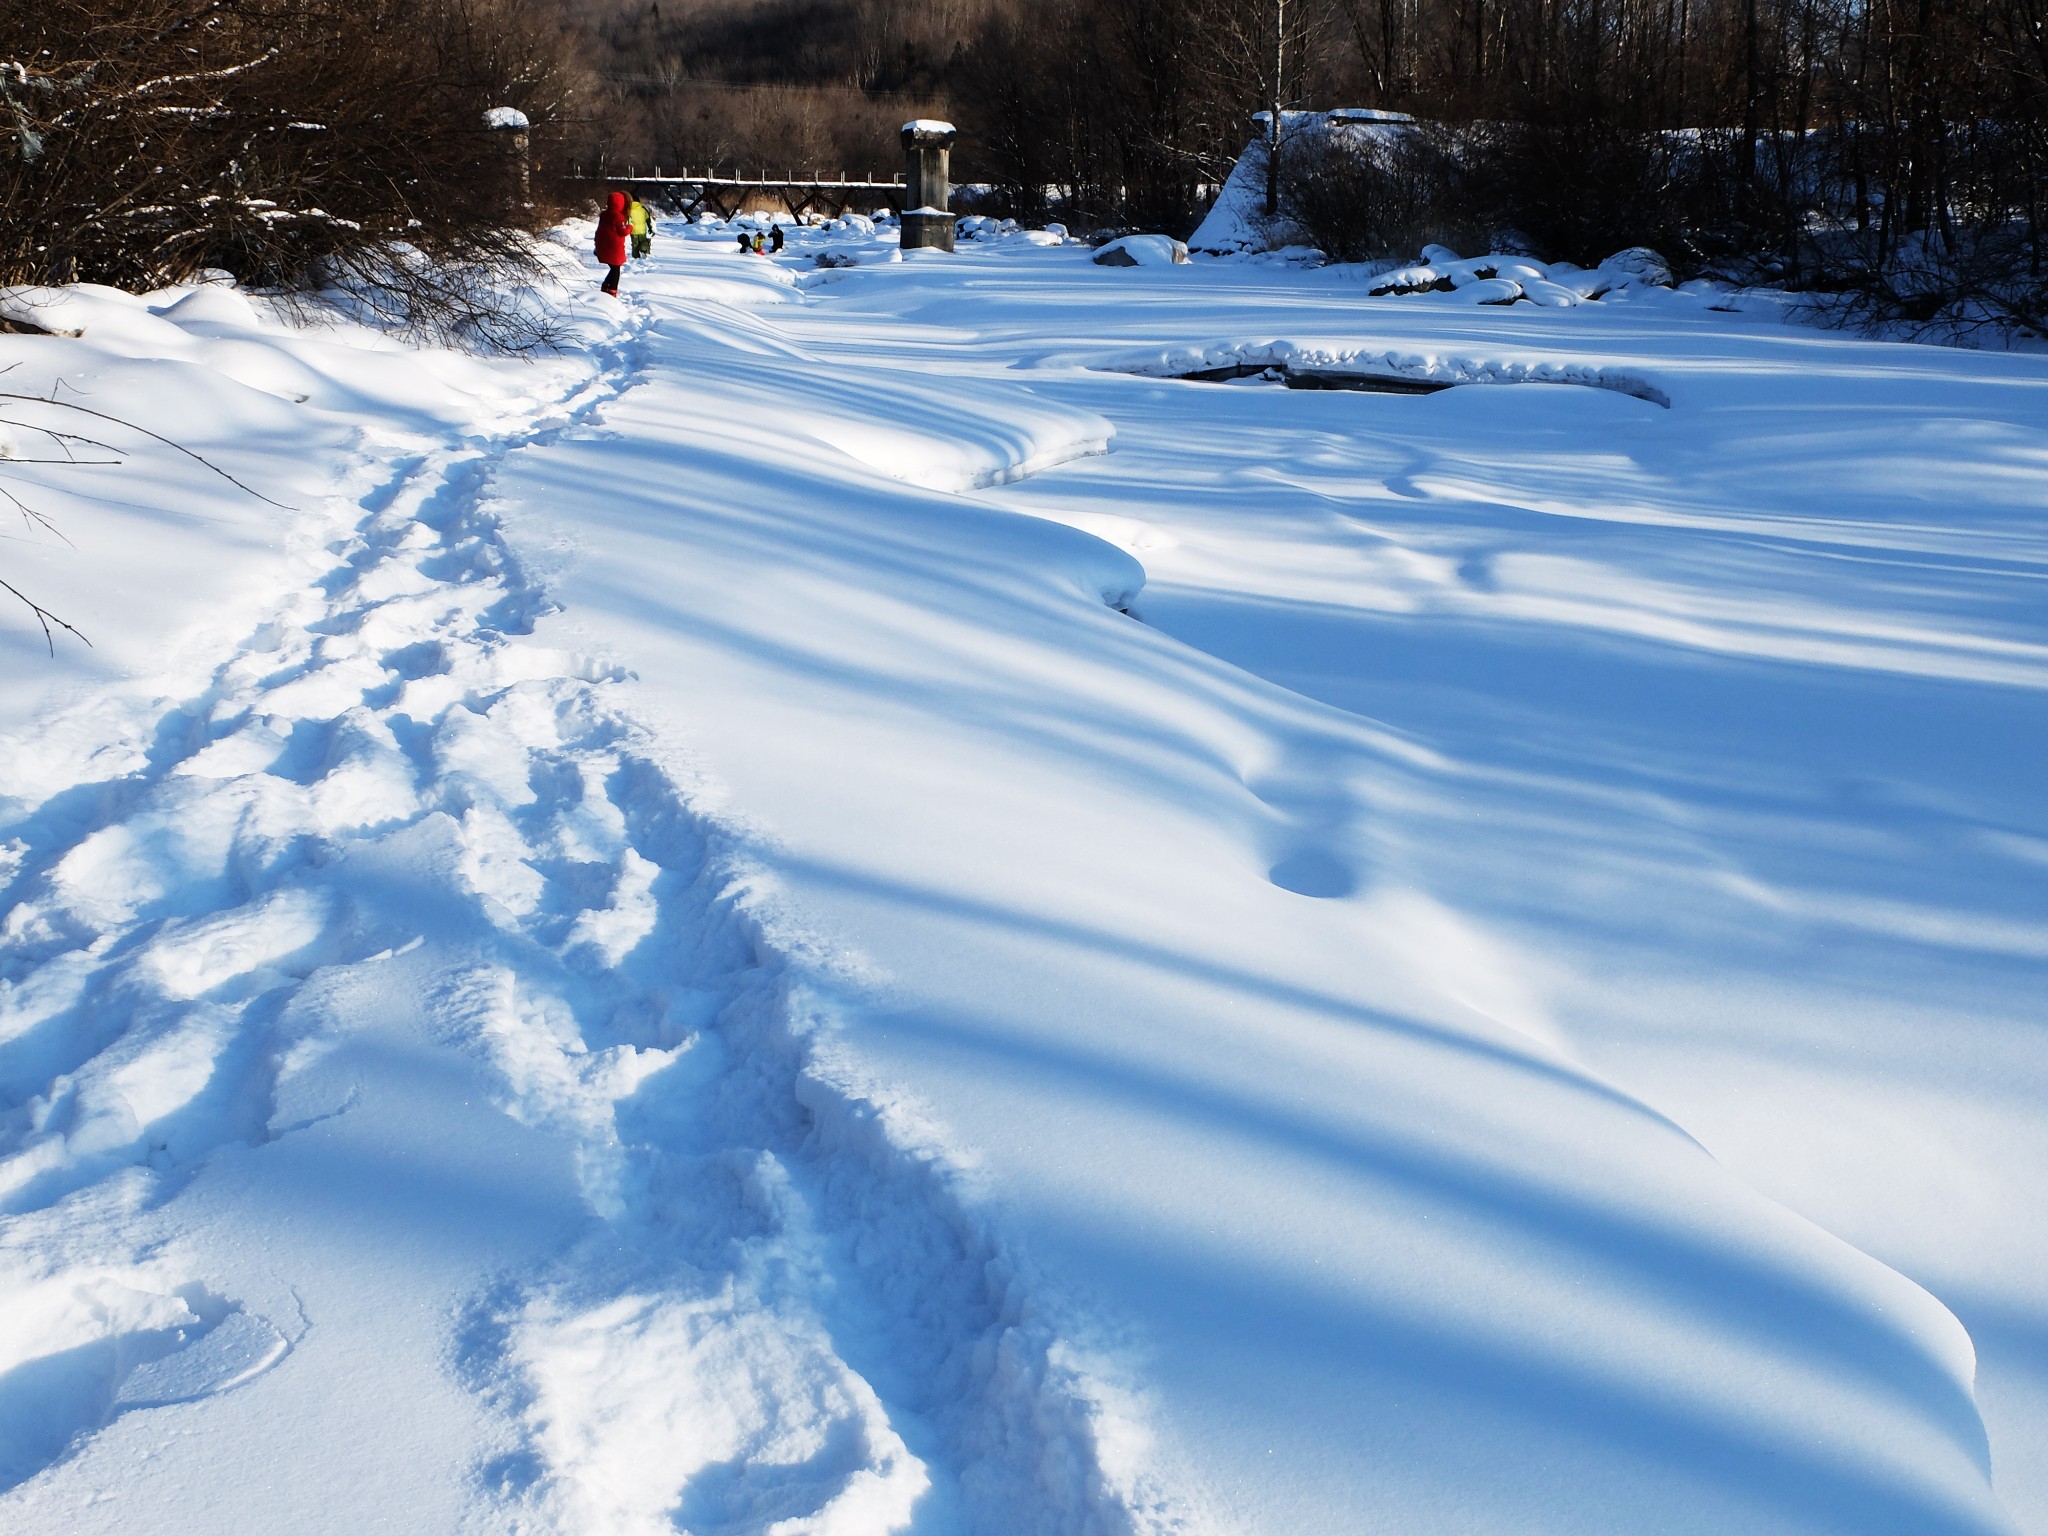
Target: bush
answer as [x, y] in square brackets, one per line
[142, 141]
[1566, 194]
[1377, 194]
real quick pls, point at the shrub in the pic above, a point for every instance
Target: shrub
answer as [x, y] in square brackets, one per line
[142, 141]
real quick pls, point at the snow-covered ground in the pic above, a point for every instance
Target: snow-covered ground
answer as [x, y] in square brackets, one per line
[848, 910]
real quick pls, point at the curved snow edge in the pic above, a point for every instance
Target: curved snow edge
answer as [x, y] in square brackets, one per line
[1362, 362]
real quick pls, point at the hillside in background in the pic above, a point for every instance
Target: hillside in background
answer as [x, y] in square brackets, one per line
[780, 84]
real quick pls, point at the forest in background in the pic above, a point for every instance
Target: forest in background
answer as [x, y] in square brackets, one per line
[1894, 152]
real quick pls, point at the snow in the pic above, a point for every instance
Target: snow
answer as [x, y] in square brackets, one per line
[505, 117]
[1142, 251]
[850, 908]
[928, 127]
[1357, 115]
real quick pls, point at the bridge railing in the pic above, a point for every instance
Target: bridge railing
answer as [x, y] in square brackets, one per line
[728, 192]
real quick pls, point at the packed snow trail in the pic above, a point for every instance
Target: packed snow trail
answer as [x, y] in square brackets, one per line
[396, 1017]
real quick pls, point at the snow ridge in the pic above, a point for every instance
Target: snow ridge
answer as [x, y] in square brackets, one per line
[782, 1311]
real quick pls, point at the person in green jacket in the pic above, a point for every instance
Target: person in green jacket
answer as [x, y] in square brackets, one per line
[641, 224]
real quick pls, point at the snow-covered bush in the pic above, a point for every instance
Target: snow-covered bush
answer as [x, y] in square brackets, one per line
[1360, 196]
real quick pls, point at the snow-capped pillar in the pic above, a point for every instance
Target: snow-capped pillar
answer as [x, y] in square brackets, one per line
[927, 222]
[508, 127]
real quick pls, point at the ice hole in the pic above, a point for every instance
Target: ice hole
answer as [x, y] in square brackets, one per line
[1317, 378]
[1399, 384]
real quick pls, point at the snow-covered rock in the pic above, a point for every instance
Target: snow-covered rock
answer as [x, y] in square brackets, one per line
[1420, 278]
[1639, 264]
[867, 255]
[1142, 251]
[1480, 279]
[1489, 290]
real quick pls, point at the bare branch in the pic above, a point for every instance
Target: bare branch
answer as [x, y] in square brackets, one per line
[44, 617]
[197, 458]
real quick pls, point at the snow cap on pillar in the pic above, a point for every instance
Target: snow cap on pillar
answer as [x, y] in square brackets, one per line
[508, 128]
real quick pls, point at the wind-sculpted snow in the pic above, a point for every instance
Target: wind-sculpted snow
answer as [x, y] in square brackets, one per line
[398, 915]
[829, 917]
[1154, 941]
[950, 434]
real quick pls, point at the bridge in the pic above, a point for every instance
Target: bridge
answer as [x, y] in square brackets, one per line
[726, 194]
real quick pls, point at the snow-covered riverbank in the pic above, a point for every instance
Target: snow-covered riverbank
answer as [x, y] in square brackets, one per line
[842, 914]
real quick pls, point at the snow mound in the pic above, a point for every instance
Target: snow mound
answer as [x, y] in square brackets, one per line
[1142, 251]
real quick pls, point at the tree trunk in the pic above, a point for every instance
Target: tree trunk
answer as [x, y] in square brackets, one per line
[1752, 102]
[1273, 109]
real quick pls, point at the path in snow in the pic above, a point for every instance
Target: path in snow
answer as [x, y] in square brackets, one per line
[1030, 1074]
[396, 996]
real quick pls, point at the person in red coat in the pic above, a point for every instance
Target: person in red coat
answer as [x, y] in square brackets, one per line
[612, 229]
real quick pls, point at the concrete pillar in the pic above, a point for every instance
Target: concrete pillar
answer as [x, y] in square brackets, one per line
[508, 126]
[927, 223]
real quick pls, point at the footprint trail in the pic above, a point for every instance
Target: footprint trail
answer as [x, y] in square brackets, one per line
[392, 1049]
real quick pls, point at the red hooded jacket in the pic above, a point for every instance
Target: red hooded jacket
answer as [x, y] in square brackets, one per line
[612, 229]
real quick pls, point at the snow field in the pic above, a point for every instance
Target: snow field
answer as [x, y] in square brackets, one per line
[1151, 939]
[390, 857]
[1739, 702]
[843, 915]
